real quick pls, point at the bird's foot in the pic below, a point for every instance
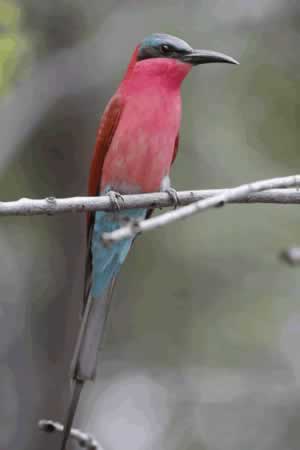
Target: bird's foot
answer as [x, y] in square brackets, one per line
[83, 439]
[174, 196]
[115, 198]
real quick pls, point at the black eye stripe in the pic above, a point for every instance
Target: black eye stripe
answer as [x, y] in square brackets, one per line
[162, 49]
[165, 48]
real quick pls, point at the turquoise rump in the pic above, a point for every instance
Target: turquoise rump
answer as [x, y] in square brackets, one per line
[107, 259]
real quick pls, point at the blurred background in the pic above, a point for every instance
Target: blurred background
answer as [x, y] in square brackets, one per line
[202, 348]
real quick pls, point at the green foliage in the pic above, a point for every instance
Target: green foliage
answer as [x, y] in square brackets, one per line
[13, 43]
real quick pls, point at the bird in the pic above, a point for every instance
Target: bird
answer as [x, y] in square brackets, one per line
[136, 145]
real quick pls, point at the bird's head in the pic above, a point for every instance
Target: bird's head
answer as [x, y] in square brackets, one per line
[161, 51]
[160, 45]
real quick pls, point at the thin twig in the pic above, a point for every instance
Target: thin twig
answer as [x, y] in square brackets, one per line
[235, 194]
[52, 205]
[83, 439]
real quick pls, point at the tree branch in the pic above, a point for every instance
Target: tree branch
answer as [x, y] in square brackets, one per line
[52, 205]
[240, 193]
[83, 439]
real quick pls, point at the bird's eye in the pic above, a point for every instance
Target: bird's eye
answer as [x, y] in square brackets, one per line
[164, 48]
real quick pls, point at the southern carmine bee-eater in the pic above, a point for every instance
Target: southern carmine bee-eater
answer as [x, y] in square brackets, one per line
[136, 145]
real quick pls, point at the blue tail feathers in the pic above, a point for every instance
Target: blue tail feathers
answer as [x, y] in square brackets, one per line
[107, 260]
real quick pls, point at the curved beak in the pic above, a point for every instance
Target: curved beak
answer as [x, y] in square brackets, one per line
[196, 57]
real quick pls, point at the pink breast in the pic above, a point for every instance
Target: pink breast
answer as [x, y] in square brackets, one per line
[142, 148]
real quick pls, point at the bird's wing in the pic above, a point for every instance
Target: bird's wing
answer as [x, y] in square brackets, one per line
[107, 128]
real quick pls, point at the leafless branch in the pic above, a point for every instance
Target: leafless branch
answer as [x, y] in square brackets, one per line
[83, 439]
[239, 193]
[52, 205]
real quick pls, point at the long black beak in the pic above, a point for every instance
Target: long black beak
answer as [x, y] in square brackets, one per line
[196, 57]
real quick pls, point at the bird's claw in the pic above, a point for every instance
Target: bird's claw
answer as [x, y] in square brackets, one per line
[83, 439]
[174, 196]
[115, 198]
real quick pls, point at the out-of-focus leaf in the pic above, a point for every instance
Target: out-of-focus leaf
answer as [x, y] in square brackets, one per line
[13, 43]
